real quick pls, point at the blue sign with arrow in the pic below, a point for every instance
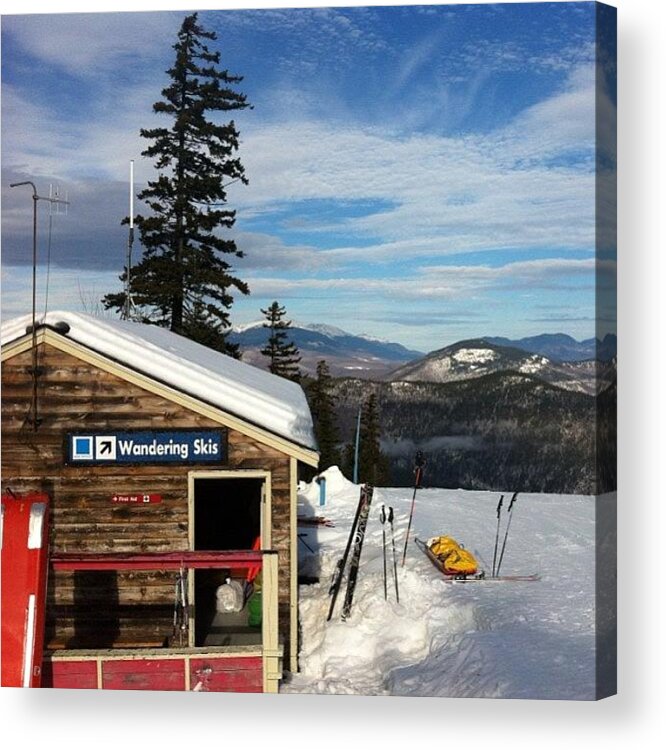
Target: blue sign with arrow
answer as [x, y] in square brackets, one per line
[147, 447]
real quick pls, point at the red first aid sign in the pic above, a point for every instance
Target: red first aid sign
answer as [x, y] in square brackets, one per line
[136, 499]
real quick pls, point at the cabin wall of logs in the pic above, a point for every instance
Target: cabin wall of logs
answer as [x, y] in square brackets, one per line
[116, 608]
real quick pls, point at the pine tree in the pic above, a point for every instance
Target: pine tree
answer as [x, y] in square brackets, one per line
[373, 465]
[282, 353]
[322, 407]
[183, 281]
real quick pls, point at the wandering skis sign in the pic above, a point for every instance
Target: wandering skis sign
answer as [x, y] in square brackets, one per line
[147, 447]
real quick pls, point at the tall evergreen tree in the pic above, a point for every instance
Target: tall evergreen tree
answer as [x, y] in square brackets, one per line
[282, 353]
[183, 281]
[373, 466]
[322, 407]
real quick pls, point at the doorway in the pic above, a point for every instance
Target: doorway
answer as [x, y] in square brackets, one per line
[228, 511]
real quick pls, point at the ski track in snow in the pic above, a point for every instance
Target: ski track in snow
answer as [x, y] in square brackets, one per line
[510, 640]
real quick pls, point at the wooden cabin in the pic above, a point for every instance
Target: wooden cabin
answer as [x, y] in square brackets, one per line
[170, 470]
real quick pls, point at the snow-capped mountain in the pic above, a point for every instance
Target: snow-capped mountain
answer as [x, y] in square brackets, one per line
[478, 357]
[345, 353]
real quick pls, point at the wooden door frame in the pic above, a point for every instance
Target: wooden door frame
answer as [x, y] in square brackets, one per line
[265, 519]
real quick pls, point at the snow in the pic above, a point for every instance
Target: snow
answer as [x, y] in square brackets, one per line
[322, 328]
[367, 337]
[274, 403]
[490, 639]
[533, 364]
[242, 327]
[474, 355]
[326, 330]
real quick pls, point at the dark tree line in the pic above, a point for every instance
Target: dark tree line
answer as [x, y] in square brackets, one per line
[372, 464]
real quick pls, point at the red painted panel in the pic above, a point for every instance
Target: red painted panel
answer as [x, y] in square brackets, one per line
[233, 675]
[25, 545]
[70, 674]
[193, 559]
[144, 674]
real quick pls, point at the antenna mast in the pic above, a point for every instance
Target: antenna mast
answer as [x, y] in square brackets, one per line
[52, 201]
[127, 309]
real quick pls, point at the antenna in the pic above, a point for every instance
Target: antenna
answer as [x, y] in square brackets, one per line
[127, 309]
[51, 200]
[57, 206]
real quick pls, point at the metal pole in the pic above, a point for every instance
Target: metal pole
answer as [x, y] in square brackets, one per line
[358, 440]
[506, 533]
[382, 519]
[419, 463]
[34, 309]
[499, 509]
[127, 311]
[33, 407]
[51, 200]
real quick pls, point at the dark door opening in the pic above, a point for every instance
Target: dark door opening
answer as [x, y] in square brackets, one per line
[227, 516]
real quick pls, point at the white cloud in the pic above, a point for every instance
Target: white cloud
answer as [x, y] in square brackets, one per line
[444, 282]
[76, 290]
[465, 193]
[86, 45]
[269, 253]
[37, 141]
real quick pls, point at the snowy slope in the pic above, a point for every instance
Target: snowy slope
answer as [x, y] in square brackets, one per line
[510, 640]
[476, 358]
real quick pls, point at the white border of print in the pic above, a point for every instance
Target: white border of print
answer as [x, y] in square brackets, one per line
[632, 718]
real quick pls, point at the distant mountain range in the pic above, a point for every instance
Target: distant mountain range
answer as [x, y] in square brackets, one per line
[557, 358]
[559, 347]
[532, 414]
[345, 353]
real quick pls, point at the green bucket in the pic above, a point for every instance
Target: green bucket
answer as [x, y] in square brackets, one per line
[254, 610]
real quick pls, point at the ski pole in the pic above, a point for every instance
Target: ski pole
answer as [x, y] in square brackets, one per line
[506, 534]
[499, 508]
[382, 519]
[186, 606]
[395, 562]
[176, 597]
[419, 464]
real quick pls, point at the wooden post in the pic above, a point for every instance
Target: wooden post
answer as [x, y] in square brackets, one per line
[269, 604]
[293, 567]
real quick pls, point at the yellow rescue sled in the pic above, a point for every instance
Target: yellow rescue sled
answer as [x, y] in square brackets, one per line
[459, 565]
[453, 558]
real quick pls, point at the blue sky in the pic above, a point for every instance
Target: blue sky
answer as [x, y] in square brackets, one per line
[422, 174]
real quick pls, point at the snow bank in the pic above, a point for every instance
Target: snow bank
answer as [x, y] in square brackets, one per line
[264, 399]
[338, 489]
[511, 640]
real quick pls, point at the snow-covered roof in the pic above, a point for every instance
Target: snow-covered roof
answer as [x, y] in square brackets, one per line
[264, 399]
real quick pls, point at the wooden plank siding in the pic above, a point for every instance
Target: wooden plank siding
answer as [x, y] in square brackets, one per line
[74, 395]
